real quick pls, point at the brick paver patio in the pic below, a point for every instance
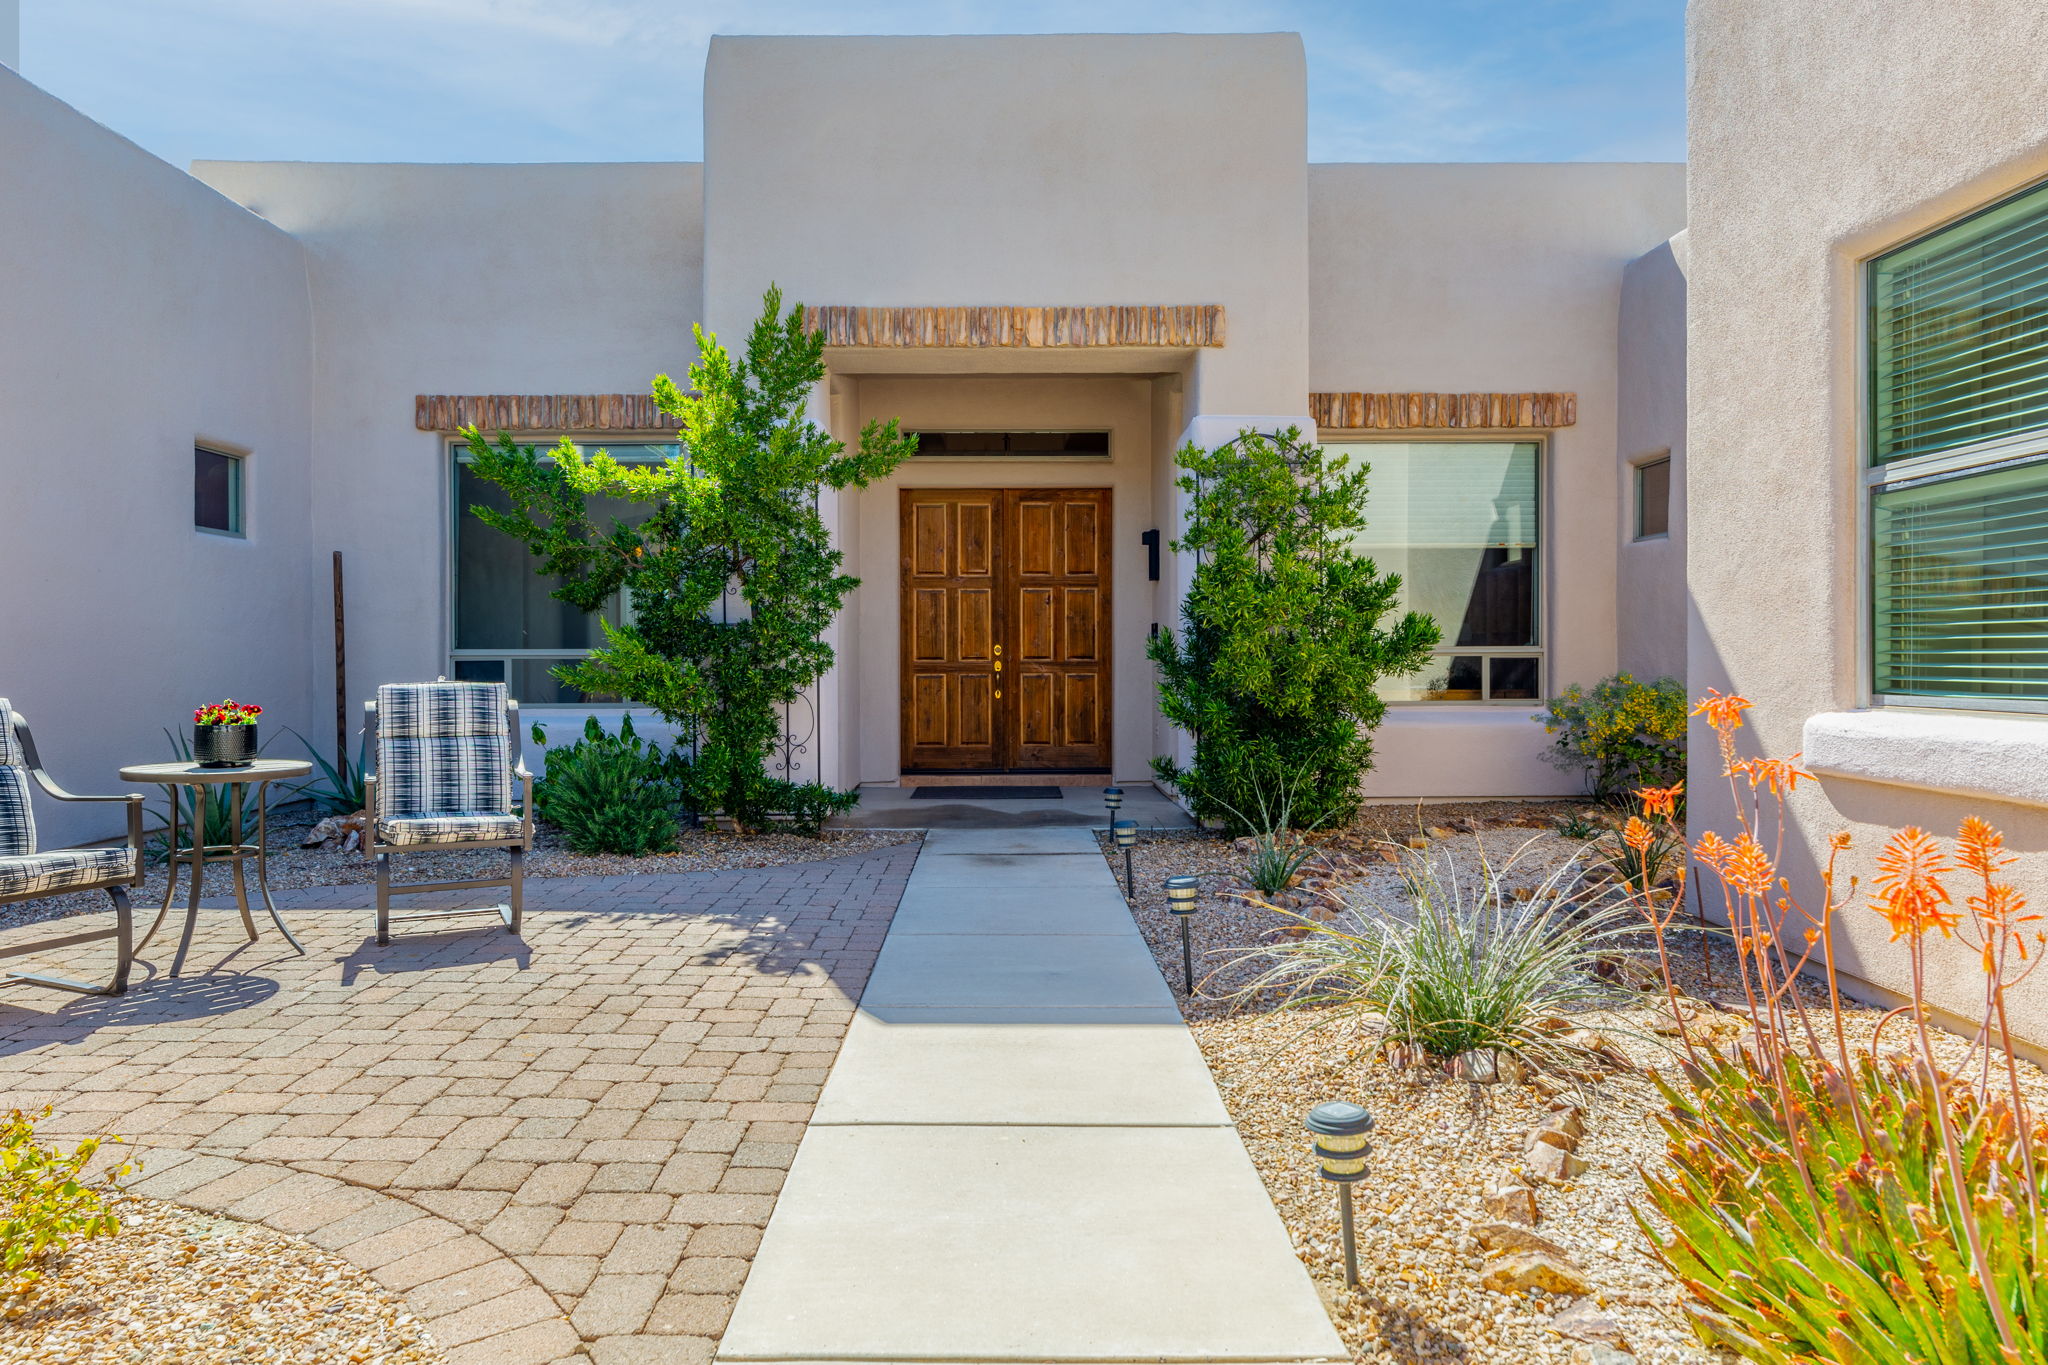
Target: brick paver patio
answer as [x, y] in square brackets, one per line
[561, 1148]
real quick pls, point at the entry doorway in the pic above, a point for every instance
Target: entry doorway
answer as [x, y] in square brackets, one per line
[1005, 630]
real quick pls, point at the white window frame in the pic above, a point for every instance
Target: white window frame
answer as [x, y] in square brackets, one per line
[456, 448]
[1873, 478]
[1539, 608]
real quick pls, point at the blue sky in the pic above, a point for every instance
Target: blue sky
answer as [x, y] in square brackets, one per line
[622, 80]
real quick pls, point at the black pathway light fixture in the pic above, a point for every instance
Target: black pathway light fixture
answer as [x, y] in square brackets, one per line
[1125, 832]
[1113, 797]
[1181, 894]
[1339, 1128]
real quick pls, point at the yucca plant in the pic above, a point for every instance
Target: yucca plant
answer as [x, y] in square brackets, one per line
[1461, 967]
[1830, 1207]
[1278, 851]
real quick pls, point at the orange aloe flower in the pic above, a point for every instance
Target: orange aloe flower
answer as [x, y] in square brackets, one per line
[1661, 800]
[1637, 834]
[1910, 895]
[1713, 851]
[1981, 849]
[1999, 912]
[1724, 713]
[1749, 869]
[1778, 774]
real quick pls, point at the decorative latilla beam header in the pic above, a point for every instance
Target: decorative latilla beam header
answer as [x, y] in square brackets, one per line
[1427, 411]
[492, 412]
[1197, 324]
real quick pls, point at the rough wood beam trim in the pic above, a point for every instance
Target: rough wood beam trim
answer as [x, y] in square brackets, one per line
[1428, 411]
[1199, 324]
[492, 412]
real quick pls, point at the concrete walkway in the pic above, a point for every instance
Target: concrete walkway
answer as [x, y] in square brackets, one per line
[1019, 1154]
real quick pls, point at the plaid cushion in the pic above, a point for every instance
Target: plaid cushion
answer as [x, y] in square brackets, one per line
[442, 749]
[61, 869]
[17, 821]
[453, 827]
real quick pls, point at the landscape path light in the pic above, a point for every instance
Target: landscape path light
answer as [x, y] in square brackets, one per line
[1339, 1128]
[1125, 832]
[1181, 894]
[1113, 797]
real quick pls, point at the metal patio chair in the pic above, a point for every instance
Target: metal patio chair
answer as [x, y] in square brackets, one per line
[26, 874]
[444, 757]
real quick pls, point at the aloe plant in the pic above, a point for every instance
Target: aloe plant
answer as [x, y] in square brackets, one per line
[1871, 1261]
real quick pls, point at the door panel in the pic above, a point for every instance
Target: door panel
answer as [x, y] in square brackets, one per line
[950, 629]
[1005, 629]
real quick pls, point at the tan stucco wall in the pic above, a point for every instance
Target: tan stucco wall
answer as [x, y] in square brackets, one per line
[1459, 278]
[461, 279]
[1066, 169]
[870, 640]
[1822, 132]
[140, 312]
[1650, 606]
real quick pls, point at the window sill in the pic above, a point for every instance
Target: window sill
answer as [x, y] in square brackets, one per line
[1997, 758]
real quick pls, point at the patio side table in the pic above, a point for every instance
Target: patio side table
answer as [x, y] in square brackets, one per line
[176, 776]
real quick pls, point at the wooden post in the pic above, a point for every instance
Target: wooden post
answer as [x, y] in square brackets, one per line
[340, 674]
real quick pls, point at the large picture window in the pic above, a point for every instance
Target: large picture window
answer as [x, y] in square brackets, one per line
[1959, 461]
[508, 626]
[1458, 522]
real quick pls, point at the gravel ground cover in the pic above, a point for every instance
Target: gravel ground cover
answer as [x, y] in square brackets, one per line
[1440, 1144]
[181, 1287]
[291, 866]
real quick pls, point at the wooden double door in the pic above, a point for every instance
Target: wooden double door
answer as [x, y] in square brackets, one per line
[1005, 652]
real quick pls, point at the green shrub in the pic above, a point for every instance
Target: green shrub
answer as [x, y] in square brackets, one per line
[43, 1201]
[1861, 1256]
[1281, 647]
[1460, 967]
[1622, 734]
[809, 804]
[611, 793]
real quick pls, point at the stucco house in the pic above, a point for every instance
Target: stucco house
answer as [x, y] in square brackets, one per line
[1675, 419]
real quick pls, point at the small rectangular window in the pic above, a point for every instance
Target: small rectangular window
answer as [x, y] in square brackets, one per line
[1012, 443]
[216, 491]
[1653, 498]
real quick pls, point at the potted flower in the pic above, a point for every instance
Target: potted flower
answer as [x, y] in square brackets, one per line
[224, 734]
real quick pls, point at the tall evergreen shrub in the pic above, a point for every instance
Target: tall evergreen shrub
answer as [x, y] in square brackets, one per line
[1281, 643]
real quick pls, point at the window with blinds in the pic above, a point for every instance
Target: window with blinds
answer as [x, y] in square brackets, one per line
[1959, 332]
[1959, 453]
[1458, 522]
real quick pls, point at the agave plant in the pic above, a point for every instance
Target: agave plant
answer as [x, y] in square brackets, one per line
[1278, 851]
[339, 789]
[1465, 965]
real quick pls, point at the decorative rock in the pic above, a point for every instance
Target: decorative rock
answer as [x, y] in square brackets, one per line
[1600, 1354]
[1539, 1137]
[1521, 1271]
[1583, 1321]
[1554, 1164]
[1512, 1204]
[1505, 1237]
[1481, 1066]
[1439, 832]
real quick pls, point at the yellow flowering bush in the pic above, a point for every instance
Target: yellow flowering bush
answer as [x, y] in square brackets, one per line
[1623, 734]
[43, 1201]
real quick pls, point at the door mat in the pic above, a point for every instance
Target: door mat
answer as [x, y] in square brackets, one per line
[985, 793]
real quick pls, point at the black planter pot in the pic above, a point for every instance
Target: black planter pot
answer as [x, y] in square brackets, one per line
[223, 746]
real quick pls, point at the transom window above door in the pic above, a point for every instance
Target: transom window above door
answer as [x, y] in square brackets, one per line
[505, 623]
[1021, 445]
[1458, 521]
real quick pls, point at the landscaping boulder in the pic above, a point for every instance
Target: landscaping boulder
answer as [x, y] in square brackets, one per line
[1554, 1164]
[1520, 1271]
[1584, 1321]
[1512, 1204]
[1506, 1237]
